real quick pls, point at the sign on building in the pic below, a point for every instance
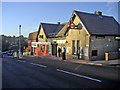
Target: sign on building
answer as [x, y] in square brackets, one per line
[60, 42]
[34, 44]
[85, 51]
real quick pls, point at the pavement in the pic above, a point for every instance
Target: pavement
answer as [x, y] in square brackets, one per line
[115, 62]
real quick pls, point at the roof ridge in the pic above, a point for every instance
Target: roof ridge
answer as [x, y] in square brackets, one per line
[51, 23]
[33, 32]
[93, 14]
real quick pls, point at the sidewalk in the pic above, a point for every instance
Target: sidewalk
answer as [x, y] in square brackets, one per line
[115, 62]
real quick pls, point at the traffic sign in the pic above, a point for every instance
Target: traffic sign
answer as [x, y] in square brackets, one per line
[72, 25]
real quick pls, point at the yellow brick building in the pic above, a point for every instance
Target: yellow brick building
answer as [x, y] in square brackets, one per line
[93, 33]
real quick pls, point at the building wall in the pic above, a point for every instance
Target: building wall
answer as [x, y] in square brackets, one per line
[59, 41]
[42, 49]
[44, 36]
[103, 45]
[119, 49]
[30, 43]
[81, 35]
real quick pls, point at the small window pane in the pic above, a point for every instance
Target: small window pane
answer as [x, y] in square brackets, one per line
[94, 52]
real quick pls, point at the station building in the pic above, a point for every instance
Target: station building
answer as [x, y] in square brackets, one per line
[47, 41]
[95, 34]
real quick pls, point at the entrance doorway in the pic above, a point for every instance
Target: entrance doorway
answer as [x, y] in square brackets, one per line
[54, 49]
[34, 51]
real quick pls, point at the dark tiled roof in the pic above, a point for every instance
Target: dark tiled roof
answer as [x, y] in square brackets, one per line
[51, 30]
[32, 36]
[99, 25]
[63, 30]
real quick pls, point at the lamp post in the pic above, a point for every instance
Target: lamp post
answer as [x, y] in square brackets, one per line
[20, 55]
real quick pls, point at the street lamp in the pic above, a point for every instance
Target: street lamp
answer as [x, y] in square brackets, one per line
[20, 55]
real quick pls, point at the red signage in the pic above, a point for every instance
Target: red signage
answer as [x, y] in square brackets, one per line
[72, 25]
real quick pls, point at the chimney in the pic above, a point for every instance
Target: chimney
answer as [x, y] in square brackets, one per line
[98, 13]
[58, 22]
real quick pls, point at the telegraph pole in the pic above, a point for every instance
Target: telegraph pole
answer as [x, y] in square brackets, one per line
[20, 55]
[19, 39]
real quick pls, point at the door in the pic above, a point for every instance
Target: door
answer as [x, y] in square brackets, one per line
[54, 49]
[34, 51]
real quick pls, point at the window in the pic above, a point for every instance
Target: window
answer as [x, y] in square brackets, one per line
[87, 40]
[49, 49]
[94, 52]
[73, 46]
[40, 36]
[78, 44]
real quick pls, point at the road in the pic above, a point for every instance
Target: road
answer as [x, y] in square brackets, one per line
[45, 73]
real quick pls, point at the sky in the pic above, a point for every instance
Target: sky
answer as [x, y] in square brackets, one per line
[30, 14]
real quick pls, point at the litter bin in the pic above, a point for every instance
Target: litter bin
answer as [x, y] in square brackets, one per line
[106, 56]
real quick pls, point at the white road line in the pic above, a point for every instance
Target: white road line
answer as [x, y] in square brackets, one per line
[41, 65]
[38, 65]
[79, 75]
[31, 63]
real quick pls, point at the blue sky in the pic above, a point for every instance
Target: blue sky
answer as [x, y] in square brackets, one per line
[30, 14]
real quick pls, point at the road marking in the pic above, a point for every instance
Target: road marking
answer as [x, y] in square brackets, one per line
[31, 63]
[79, 75]
[21, 61]
[38, 65]
[41, 65]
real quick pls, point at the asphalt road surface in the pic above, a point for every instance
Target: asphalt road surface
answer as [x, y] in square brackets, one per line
[46, 73]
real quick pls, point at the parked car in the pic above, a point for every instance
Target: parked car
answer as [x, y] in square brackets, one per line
[10, 53]
[5, 52]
